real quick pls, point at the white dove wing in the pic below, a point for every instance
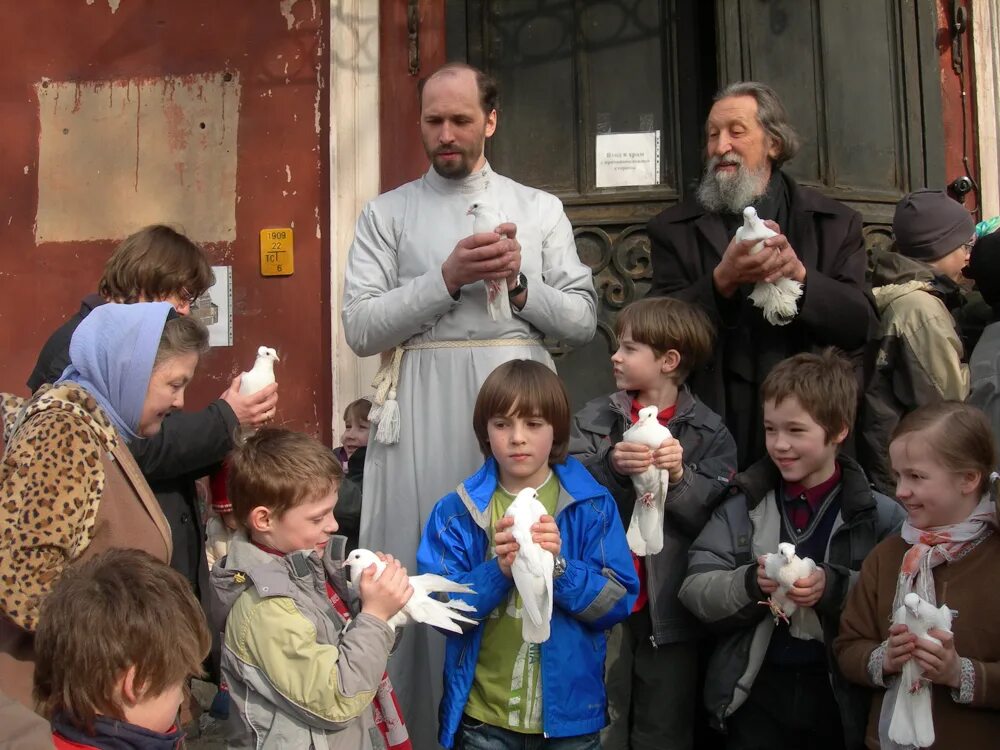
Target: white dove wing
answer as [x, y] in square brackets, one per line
[421, 607]
[532, 571]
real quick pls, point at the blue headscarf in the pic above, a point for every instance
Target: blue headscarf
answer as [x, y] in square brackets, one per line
[111, 354]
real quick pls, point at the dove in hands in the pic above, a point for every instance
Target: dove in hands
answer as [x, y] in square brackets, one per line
[486, 219]
[444, 614]
[261, 374]
[912, 723]
[532, 567]
[778, 300]
[645, 530]
[785, 568]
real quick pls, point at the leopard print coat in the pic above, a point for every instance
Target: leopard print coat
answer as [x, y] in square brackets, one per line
[54, 482]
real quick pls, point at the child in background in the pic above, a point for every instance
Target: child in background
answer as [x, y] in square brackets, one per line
[118, 638]
[652, 669]
[772, 685]
[948, 554]
[352, 458]
[501, 692]
[221, 525]
[304, 666]
[356, 429]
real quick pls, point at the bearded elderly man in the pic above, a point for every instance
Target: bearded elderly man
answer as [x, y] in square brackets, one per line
[414, 287]
[696, 258]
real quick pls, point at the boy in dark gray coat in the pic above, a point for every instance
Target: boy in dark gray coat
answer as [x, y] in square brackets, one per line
[775, 684]
[652, 662]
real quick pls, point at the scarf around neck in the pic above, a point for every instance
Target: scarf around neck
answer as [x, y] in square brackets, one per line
[114, 734]
[111, 355]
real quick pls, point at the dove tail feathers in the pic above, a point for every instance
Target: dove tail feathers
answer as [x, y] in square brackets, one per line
[778, 301]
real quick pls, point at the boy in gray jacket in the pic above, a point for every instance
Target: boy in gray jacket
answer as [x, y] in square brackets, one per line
[305, 667]
[652, 664]
[771, 685]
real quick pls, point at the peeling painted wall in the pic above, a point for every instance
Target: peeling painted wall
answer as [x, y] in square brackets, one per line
[103, 103]
[115, 156]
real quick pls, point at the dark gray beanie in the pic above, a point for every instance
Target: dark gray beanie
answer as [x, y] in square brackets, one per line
[928, 225]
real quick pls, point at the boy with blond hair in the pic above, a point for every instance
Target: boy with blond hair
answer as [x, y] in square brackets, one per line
[303, 658]
[652, 667]
[118, 638]
[774, 684]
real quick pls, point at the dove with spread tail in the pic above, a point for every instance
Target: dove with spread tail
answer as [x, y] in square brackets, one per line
[645, 530]
[532, 567]
[912, 724]
[777, 300]
[440, 613]
[486, 219]
[261, 374]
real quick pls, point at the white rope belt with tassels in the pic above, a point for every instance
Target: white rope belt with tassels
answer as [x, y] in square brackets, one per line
[385, 408]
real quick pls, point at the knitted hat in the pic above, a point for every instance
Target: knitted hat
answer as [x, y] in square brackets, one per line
[928, 225]
[984, 267]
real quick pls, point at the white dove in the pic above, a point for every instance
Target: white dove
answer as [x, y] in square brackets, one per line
[262, 373]
[421, 607]
[532, 567]
[487, 219]
[777, 300]
[912, 723]
[645, 530]
[785, 568]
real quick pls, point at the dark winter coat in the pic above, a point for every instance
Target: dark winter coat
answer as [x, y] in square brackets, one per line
[835, 309]
[709, 462]
[721, 585]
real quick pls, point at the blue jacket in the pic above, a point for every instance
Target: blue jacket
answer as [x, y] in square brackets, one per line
[597, 590]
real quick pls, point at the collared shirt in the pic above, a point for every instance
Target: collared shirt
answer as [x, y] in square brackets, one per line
[801, 502]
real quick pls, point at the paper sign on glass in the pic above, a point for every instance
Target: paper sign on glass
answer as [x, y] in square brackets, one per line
[628, 159]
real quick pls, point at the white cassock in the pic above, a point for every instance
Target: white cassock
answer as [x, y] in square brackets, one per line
[394, 293]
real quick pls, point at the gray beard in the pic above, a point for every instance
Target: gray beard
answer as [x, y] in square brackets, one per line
[723, 194]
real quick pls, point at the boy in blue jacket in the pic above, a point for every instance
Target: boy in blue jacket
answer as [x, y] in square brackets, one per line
[499, 690]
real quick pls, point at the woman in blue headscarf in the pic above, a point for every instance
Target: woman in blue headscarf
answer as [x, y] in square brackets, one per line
[69, 487]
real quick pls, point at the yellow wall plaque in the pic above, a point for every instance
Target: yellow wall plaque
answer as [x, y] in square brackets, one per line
[277, 256]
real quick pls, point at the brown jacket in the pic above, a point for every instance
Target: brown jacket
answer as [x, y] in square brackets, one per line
[69, 489]
[967, 587]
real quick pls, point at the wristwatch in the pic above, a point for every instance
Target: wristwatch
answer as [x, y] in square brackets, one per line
[520, 285]
[559, 567]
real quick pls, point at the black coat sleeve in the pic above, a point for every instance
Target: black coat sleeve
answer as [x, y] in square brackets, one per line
[188, 443]
[836, 305]
[675, 276]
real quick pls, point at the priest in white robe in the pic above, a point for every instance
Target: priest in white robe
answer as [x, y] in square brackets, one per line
[415, 279]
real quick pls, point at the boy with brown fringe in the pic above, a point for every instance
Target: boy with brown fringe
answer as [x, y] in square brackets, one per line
[776, 684]
[652, 667]
[118, 638]
[304, 659]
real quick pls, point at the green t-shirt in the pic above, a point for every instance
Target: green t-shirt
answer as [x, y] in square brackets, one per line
[507, 688]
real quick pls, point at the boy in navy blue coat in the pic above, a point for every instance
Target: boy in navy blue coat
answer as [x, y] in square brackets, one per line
[498, 688]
